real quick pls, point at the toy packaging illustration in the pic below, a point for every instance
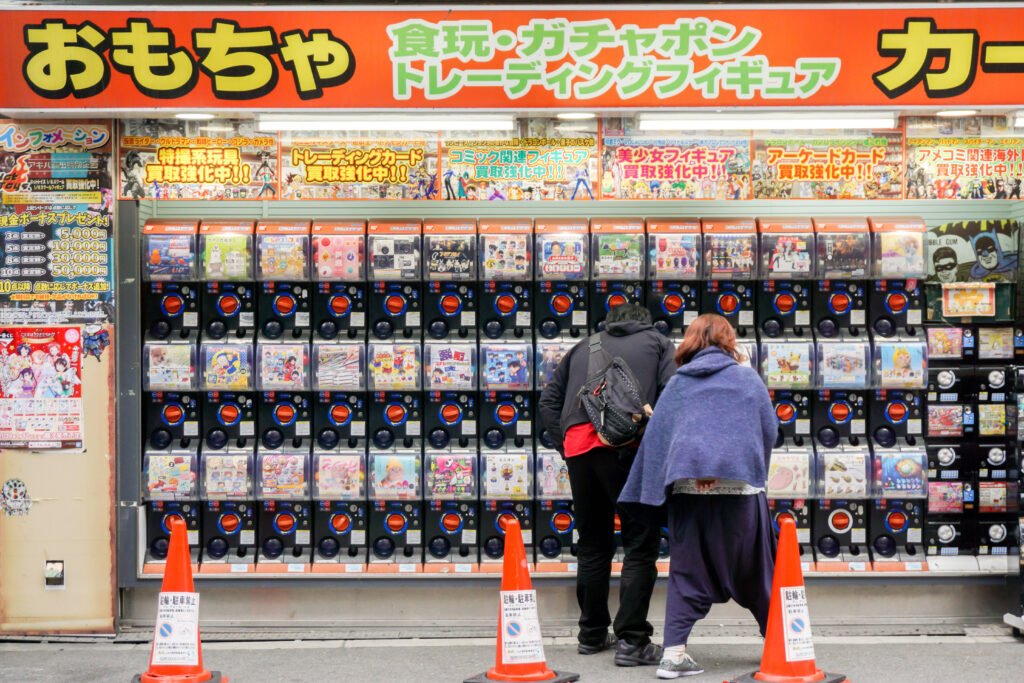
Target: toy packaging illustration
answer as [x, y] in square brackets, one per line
[786, 255]
[451, 477]
[283, 476]
[227, 366]
[619, 256]
[394, 257]
[843, 365]
[966, 300]
[946, 497]
[945, 343]
[505, 366]
[227, 476]
[282, 257]
[338, 257]
[901, 365]
[787, 365]
[549, 355]
[995, 343]
[562, 256]
[973, 251]
[449, 366]
[283, 367]
[169, 257]
[394, 366]
[553, 477]
[675, 257]
[339, 367]
[842, 255]
[169, 367]
[227, 256]
[992, 419]
[507, 476]
[901, 475]
[996, 496]
[170, 477]
[41, 388]
[505, 257]
[729, 256]
[945, 420]
[340, 477]
[789, 475]
[449, 257]
[900, 254]
[845, 475]
[395, 477]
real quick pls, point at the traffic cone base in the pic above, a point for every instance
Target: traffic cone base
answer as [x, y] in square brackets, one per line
[210, 677]
[556, 677]
[761, 678]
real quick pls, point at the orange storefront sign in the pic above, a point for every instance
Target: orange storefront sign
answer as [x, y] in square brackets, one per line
[515, 58]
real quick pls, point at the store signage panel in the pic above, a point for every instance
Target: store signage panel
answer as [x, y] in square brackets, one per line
[284, 59]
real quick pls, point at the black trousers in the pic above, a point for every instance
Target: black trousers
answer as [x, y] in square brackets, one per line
[597, 479]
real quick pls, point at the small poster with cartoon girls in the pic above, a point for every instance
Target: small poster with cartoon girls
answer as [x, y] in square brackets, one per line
[901, 366]
[945, 343]
[995, 343]
[338, 257]
[549, 355]
[562, 257]
[729, 256]
[282, 257]
[507, 476]
[553, 477]
[227, 367]
[901, 254]
[340, 477]
[169, 257]
[451, 477]
[169, 367]
[619, 256]
[449, 257]
[227, 476]
[787, 366]
[843, 365]
[41, 388]
[505, 257]
[449, 366]
[283, 367]
[395, 477]
[170, 477]
[787, 254]
[395, 366]
[675, 257]
[283, 476]
[227, 257]
[505, 366]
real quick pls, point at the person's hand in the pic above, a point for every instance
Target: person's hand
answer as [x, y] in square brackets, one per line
[706, 485]
[648, 410]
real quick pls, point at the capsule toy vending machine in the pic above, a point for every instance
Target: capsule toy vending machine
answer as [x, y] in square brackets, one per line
[562, 252]
[617, 265]
[839, 300]
[506, 493]
[787, 368]
[339, 270]
[394, 269]
[452, 406]
[843, 455]
[900, 459]
[171, 492]
[170, 269]
[555, 524]
[452, 510]
[228, 299]
[286, 511]
[506, 278]
[673, 292]
[730, 270]
[285, 295]
[340, 516]
[340, 401]
[786, 254]
[396, 511]
[896, 300]
[285, 405]
[396, 410]
[449, 275]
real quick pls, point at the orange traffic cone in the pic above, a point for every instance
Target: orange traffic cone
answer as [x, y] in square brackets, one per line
[520, 650]
[177, 653]
[788, 655]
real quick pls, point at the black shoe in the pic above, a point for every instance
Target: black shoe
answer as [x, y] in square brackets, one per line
[637, 655]
[609, 642]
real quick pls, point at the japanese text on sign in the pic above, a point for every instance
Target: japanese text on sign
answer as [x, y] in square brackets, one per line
[549, 160]
[353, 165]
[796, 619]
[520, 628]
[674, 163]
[176, 634]
[832, 163]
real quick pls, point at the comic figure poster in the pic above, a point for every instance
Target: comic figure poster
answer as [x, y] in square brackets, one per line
[505, 257]
[283, 257]
[505, 366]
[449, 257]
[395, 366]
[843, 255]
[553, 477]
[789, 475]
[549, 355]
[901, 366]
[395, 477]
[729, 256]
[619, 256]
[845, 475]
[973, 251]
[901, 475]
[843, 365]
[449, 366]
[995, 343]
[227, 367]
[169, 258]
[562, 256]
[945, 343]
[169, 367]
[283, 367]
[945, 420]
[41, 388]
[339, 367]
[946, 497]
[340, 476]
[901, 254]
[452, 477]
[170, 477]
[788, 365]
[395, 257]
[675, 257]
[283, 475]
[507, 476]
[787, 255]
[227, 476]
[338, 257]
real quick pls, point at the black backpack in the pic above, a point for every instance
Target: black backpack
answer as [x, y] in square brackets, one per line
[611, 397]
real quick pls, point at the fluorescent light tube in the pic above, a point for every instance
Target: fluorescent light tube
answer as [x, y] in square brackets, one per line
[659, 121]
[384, 122]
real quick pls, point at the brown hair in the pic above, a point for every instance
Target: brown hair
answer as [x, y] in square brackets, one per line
[707, 330]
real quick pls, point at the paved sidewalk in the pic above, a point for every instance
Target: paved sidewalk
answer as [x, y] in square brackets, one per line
[959, 659]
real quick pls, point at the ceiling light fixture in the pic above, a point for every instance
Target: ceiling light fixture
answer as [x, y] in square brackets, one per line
[194, 116]
[576, 116]
[386, 122]
[956, 113]
[681, 122]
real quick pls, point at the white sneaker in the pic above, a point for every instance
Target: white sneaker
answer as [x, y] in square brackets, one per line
[687, 667]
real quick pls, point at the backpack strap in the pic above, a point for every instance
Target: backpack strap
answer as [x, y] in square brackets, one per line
[599, 359]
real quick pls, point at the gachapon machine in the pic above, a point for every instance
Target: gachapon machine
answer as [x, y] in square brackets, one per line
[449, 275]
[340, 515]
[951, 345]
[547, 357]
[896, 410]
[339, 269]
[562, 249]
[841, 510]
[396, 509]
[843, 378]
[506, 493]
[286, 514]
[340, 405]
[170, 269]
[452, 507]
[506, 385]
[674, 252]
[951, 526]
[897, 520]
[998, 530]
[229, 509]
[896, 303]
[284, 417]
[617, 265]
[228, 376]
[730, 268]
[506, 278]
[843, 253]
[170, 378]
[555, 524]
[393, 252]
[452, 405]
[396, 407]
[171, 480]
[786, 272]
[790, 491]
[228, 300]
[282, 268]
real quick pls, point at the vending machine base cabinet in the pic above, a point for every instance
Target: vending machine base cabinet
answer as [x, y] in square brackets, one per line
[800, 511]
[339, 535]
[839, 535]
[555, 535]
[396, 537]
[228, 537]
[896, 529]
[158, 534]
[496, 514]
[451, 535]
[285, 534]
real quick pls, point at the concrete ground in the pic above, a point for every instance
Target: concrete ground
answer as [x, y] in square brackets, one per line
[988, 656]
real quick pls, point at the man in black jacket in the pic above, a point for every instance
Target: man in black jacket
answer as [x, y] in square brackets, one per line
[597, 473]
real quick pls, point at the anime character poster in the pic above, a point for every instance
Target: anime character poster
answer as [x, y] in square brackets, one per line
[506, 476]
[451, 477]
[900, 254]
[995, 343]
[505, 257]
[946, 497]
[945, 343]
[843, 365]
[41, 388]
[283, 367]
[171, 477]
[973, 251]
[787, 255]
[788, 365]
[449, 366]
[394, 366]
[227, 476]
[449, 257]
[901, 366]
[227, 367]
[395, 477]
[553, 477]
[562, 256]
[340, 476]
[282, 257]
[675, 257]
[505, 366]
[283, 475]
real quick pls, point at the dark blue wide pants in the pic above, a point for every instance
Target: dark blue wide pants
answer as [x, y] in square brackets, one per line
[722, 548]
